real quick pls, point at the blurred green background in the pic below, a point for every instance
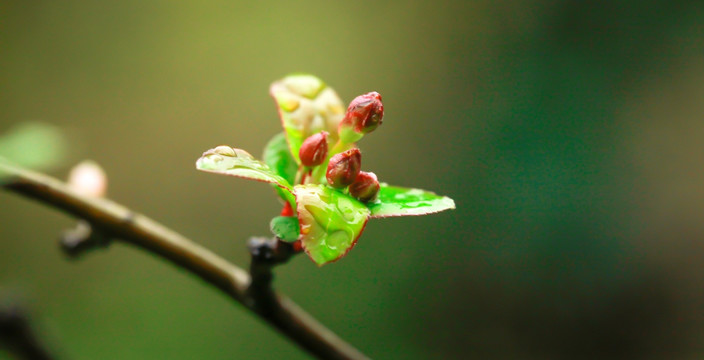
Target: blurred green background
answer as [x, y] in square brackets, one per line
[569, 134]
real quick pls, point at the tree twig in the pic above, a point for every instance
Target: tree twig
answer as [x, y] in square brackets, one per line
[118, 222]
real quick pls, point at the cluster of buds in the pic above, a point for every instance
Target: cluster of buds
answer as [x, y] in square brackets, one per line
[364, 115]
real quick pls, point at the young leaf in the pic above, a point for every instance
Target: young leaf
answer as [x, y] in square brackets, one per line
[285, 228]
[278, 157]
[330, 221]
[306, 106]
[399, 201]
[35, 145]
[236, 162]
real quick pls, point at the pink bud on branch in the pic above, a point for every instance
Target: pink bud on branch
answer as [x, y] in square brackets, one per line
[343, 168]
[314, 149]
[89, 179]
[365, 187]
[364, 114]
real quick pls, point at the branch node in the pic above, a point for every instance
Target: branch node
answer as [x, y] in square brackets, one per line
[271, 251]
[266, 253]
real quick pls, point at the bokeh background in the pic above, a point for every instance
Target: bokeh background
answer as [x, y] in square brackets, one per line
[568, 132]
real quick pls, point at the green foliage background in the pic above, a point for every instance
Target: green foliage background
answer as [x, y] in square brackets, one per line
[568, 133]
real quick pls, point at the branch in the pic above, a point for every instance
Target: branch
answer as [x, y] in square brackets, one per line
[116, 221]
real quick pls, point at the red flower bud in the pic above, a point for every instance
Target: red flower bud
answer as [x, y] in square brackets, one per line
[314, 149]
[365, 187]
[364, 114]
[343, 168]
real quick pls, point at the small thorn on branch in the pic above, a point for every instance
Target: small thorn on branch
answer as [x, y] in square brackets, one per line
[81, 238]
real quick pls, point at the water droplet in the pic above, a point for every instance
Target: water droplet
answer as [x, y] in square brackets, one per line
[243, 154]
[308, 86]
[224, 150]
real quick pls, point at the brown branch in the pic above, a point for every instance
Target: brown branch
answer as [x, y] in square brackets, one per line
[116, 221]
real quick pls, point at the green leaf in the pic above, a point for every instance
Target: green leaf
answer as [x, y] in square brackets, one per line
[285, 228]
[330, 221]
[278, 157]
[399, 201]
[306, 106]
[34, 145]
[236, 162]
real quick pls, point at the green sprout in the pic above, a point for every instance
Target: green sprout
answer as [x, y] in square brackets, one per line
[315, 167]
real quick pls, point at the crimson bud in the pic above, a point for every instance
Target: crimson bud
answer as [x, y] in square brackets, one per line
[343, 168]
[314, 149]
[365, 187]
[364, 114]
